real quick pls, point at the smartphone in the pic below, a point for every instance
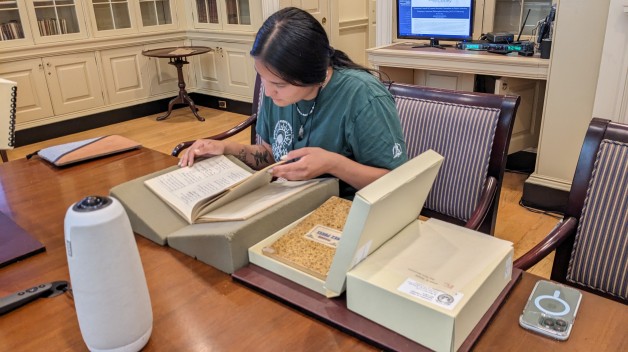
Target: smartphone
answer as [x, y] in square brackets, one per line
[551, 309]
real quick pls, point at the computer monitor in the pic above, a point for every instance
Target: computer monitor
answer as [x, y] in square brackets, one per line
[435, 20]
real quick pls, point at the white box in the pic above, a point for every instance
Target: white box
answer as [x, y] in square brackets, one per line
[379, 211]
[432, 282]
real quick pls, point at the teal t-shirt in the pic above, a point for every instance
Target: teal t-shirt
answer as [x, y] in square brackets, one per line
[354, 116]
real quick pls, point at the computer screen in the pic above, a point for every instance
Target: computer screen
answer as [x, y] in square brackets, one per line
[435, 19]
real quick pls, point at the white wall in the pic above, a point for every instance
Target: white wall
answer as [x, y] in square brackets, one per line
[571, 87]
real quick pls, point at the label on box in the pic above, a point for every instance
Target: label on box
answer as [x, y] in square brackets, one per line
[324, 235]
[430, 294]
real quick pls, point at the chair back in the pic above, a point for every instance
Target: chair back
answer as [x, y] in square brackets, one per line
[472, 131]
[595, 258]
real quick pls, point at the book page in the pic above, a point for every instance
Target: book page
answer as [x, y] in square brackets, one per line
[256, 201]
[186, 188]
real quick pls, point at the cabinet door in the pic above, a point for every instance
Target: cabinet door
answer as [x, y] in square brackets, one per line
[227, 70]
[163, 76]
[73, 82]
[233, 15]
[112, 17]
[56, 20]
[33, 102]
[126, 74]
[14, 29]
[527, 127]
[156, 15]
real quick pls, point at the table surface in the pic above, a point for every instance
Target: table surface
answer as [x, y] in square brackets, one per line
[197, 307]
[177, 52]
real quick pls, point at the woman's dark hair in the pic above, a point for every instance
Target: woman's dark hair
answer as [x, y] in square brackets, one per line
[294, 46]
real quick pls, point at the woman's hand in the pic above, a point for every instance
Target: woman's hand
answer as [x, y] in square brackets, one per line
[201, 147]
[312, 162]
[309, 162]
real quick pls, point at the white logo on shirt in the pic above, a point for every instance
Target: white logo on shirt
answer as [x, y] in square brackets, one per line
[282, 139]
[396, 150]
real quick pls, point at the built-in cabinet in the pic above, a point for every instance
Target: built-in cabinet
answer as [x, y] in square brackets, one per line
[54, 85]
[73, 58]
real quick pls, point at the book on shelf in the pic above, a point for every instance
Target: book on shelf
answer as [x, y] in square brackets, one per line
[310, 246]
[222, 188]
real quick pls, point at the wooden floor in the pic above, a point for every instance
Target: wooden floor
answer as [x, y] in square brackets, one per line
[523, 227]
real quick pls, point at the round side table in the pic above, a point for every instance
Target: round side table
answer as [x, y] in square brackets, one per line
[178, 58]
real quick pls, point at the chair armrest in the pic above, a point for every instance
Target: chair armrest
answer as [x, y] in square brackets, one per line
[484, 204]
[562, 231]
[220, 136]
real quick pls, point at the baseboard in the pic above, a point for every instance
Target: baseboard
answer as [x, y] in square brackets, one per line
[84, 123]
[544, 198]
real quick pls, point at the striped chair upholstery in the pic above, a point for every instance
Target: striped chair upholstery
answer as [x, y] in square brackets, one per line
[472, 131]
[463, 135]
[599, 258]
[591, 241]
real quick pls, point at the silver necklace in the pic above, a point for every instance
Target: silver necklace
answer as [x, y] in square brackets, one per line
[304, 114]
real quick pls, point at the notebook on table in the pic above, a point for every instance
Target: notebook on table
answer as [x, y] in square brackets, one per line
[74, 152]
[15, 243]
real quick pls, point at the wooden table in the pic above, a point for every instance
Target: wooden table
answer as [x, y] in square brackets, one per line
[195, 306]
[178, 58]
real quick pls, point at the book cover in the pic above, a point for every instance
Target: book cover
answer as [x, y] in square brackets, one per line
[311, 245]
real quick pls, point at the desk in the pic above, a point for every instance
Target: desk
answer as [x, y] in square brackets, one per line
[456, 69]
[197, 307]
[178, 58]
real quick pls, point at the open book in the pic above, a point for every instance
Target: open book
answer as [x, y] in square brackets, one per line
[219, 189]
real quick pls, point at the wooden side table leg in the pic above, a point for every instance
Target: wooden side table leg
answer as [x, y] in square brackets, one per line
[183, 97]
[190, 102]
[4, 156]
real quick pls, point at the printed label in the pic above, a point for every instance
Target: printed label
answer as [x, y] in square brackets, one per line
[430, 294]
[324, 235]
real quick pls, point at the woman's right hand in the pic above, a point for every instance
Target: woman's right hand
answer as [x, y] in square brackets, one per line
[201, 147]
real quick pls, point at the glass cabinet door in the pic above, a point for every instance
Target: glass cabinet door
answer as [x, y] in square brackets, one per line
[207, 12]
[58, 20]
[238, 12]
[511, 14]
[155, 12]
[11, 18]
[111, 14]
[225, 14]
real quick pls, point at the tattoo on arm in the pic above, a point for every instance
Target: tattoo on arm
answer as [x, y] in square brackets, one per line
[261, 158]
[242, 155]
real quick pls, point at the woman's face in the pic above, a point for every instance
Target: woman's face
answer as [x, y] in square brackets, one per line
[281, 92]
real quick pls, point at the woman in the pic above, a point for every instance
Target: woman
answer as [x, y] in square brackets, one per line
[322, 110]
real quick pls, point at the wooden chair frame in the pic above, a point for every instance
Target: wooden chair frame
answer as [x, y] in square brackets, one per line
[562, 237]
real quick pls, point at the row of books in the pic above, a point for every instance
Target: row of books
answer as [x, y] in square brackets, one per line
[207, 11]
[11, 30]
[52, 26]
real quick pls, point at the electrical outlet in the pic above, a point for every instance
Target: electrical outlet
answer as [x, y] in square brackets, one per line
[222, 104]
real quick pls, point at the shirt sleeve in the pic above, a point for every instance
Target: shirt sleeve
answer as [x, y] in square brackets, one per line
[375, 134]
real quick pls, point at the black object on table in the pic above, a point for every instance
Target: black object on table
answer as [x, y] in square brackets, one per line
[178, 58]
